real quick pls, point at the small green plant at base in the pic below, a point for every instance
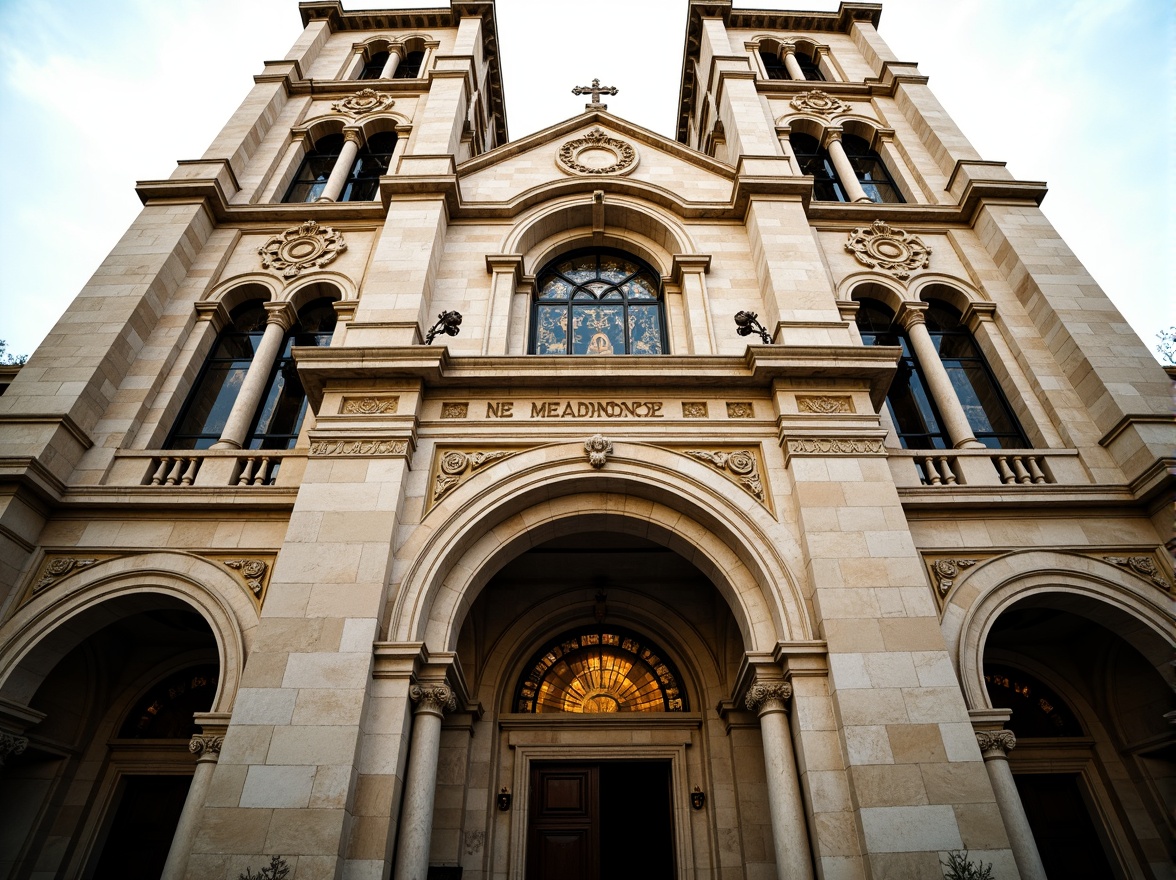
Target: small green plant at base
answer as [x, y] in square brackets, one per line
[276, 870]
[960, 867]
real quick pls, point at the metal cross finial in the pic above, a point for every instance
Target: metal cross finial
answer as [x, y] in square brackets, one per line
[596, 90]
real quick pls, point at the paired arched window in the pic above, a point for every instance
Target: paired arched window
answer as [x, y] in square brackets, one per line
[776, 68]
[868, 169]
[915, 411]
[409, 66]
[363, 179]
[374, 66]
[598, 302]
[279, 415]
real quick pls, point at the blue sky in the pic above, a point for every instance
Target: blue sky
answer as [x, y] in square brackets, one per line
[1078, 93]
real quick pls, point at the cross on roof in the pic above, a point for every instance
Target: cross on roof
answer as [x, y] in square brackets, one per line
[596, 90]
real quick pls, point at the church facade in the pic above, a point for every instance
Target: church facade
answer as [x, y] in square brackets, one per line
[784, 500]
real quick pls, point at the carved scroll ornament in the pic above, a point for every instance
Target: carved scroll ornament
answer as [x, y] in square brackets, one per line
[455, 467]
[58, 568]
[947, 570]
[995, 743]
[370, 406]
[881, 246]
[1144, 566]
[204, 745]
[820, 103]
[252, 572]
[362, 103]
[741, 464]
[764, 692]
[824, 404]
[437, 698]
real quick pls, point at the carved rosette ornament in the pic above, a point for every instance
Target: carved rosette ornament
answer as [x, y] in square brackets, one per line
[455, 467]
[1144, 566]
[206, 747]
[947, 570]
[599, 448]
[995, 743]
[882, 246]
[252, 572]
[741, 464]
[596, 153]
[762, 693]
[58, 568]
[307, 246]
[11, 744]
[821, 103]
[694, 410]
[362, 103]
[436, 698]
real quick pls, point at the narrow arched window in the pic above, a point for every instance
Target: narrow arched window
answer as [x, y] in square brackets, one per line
[374, 66]
[410, 66]
[315, 170]
[815, 161]
[989, 414]
[598, 302]
[809, 67]
[870, 170]
[283, 406]
[773, 65]
[211, 400]
[912, 408]
[363, 184]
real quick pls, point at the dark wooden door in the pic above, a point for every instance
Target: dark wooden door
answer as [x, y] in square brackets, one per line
[563, 838]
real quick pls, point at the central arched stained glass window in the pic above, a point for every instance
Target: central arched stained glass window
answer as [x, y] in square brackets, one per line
[599, 670]
[598, 302]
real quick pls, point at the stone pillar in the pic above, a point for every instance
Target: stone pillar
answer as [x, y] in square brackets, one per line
[342, 169]
[507, 270]
[689, 272]
[955, 420]
[206, 747]
[420, 784]
[389, 71]
[281, 319]
[770, 701]
[995, 746]
[845, 173]
[788, 51]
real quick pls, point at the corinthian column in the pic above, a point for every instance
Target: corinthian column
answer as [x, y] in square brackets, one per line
[207, 750]
[789, 834]
[995, 746]
[420, 784]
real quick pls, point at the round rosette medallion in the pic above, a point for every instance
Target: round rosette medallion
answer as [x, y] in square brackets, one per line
[596, 153]
[307, 246]
[884, 247]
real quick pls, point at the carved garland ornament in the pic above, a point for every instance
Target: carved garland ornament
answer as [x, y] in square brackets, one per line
[759, 694]
[252, 571]
[1142, 565]
[740, 463]
[362, 103]
[947, 570]
[821, 103]
[596, 153]
[598, 448]
[995, 743]
[437, 698]
[370, 406]
[825, 404]
[308, 246]
[455, 467]
[359, 447]
[881, 246]
[58, 568]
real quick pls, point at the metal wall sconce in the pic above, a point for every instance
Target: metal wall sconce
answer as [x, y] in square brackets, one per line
[504, 799]
[697, 798]
[748, 323]
[448, 323]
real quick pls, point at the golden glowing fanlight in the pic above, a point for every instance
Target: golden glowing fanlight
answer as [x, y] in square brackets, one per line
[597, 672]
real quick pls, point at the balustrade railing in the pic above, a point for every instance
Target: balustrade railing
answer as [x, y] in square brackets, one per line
[179, 469]
[945, 468]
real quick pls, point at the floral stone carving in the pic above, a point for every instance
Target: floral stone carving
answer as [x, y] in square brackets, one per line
[765, 692]
[947, 570]
[881, 246]
[455, 467]
[824, 404]
[995, 743]
[821, 103]
[370, 406]
[437, 698]
[308, 246]
[363, 102]
[598, 448]
[596, 153]
[1144, 566]
[741, 464]
[58, 568]
[252, 571]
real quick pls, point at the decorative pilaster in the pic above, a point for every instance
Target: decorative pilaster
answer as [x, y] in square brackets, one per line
[769, 699]
[420, 784]
[995, 746]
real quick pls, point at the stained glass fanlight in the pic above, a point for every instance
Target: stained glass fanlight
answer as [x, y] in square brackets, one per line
[598, 302]
[599, 670]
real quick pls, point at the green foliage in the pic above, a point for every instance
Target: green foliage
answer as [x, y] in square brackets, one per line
[10, 360]
[960, 867]
[276, 870]
[1166, 346]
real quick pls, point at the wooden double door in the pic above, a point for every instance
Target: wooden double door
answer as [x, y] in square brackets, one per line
[610, 820]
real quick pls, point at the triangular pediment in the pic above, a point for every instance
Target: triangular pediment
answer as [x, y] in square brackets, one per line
[595, 149]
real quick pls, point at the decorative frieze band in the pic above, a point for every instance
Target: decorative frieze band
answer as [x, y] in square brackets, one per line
[455, 466]
[739, 464]
[995, 743]
[359, 447]
[834, 446]
[372, 405]
[434, 697]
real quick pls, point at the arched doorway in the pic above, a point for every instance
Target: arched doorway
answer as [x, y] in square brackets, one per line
[98, 790]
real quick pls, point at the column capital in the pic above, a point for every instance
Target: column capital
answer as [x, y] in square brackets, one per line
[206, 747]
[787, 47]
[995, 743]
[353, 135]
[911, 313]
[436, 699]
[281, 313]
[213, 312]
[11, 744]
[830, 135]
[766, 696]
